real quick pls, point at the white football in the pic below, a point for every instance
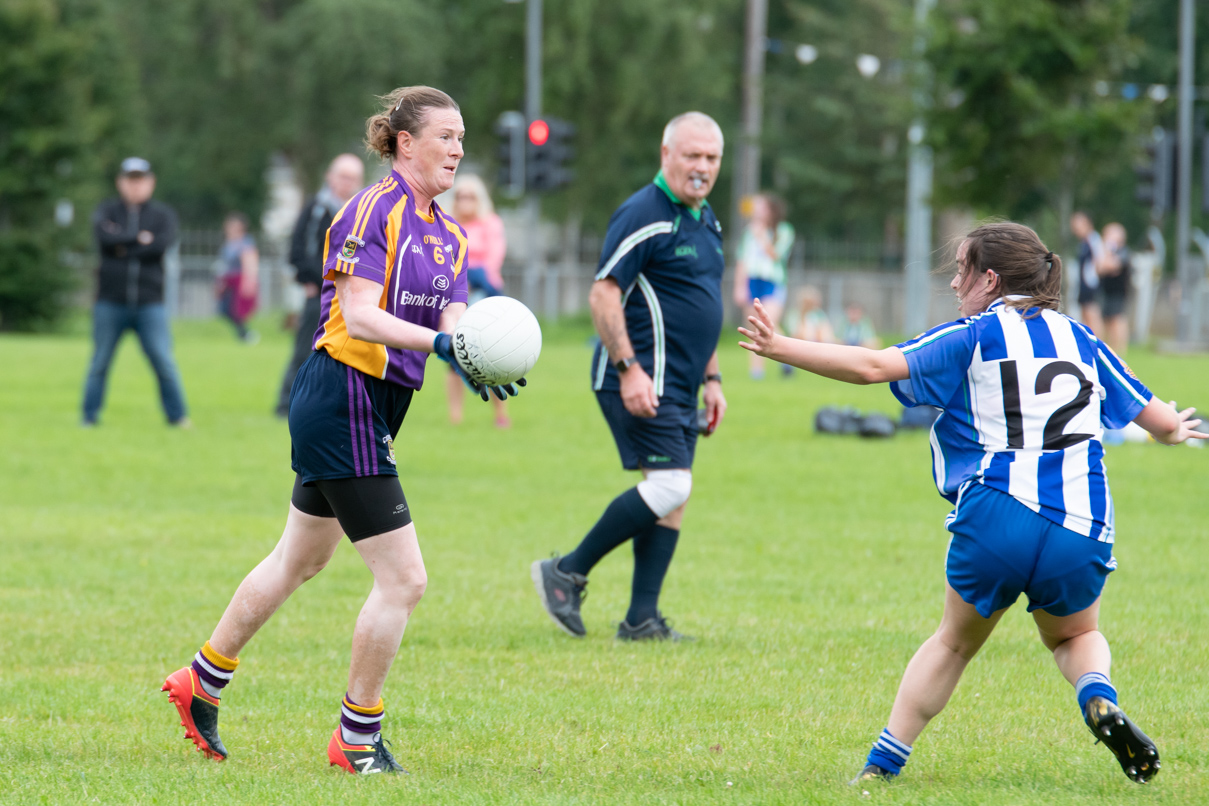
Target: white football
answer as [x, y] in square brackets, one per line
[497, 341]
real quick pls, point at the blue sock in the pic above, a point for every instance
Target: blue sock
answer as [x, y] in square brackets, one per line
[626, 516]
[889, 753]
[1094, 684]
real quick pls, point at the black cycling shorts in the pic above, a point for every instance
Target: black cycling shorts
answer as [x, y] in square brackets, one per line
[366, 506]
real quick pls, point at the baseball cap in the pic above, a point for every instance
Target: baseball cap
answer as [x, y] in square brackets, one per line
[135, 165]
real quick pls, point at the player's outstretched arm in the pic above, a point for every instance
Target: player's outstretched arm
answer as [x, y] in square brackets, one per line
[1166, 424]
[838, 361]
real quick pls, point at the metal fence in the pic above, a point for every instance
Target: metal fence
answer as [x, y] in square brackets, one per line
[867, 274]
[193, 266]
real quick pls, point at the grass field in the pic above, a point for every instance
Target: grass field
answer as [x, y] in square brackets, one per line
[810, 569]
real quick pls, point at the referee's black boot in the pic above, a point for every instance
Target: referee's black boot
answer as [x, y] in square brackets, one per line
[656, 628]
[1135, 751]
[562, 594]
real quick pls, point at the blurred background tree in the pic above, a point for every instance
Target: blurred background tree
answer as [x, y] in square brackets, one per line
[67, 113]
[209, 90]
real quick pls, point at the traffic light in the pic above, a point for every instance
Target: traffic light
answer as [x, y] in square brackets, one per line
[1156, 173]
[511, 129]
[547, 151]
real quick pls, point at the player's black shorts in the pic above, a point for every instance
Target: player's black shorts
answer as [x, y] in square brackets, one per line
[368, 506]
[666, 441]
[1112, 304]
[343, 422]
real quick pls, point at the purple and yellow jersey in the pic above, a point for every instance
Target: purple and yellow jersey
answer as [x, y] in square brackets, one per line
[419, 260]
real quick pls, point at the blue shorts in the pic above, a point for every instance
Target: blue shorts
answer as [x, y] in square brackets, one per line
[343, 423]
[666, 441]
[765, 290]
[1001, 549]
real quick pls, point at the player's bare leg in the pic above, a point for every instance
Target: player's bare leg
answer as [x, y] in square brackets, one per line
[304, 549]
[455, 390]
[1084, 658]
[929, 682]
[399, 582]
[933, 672]
[306, 546]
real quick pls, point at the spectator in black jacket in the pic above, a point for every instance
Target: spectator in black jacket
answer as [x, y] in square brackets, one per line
[344, 177]
[133, 233]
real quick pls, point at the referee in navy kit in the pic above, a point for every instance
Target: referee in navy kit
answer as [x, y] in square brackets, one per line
[657, 305]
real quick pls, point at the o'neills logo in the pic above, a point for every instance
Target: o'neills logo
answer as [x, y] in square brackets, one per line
[423, 300]
[462, 354]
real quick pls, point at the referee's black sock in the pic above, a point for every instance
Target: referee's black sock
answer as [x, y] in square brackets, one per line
[653, 550]
[626, 516]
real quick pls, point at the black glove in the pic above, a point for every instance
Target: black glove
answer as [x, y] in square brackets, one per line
[442, 346]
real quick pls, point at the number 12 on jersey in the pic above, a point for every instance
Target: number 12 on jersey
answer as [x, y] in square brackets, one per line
[1040, 380]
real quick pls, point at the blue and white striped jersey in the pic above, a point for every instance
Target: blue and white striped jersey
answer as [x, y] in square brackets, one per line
[667, 260]
[1025, 402]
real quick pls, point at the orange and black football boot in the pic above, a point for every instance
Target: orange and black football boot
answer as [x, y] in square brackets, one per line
[1138, 756]
[361, 759]
[198, 711]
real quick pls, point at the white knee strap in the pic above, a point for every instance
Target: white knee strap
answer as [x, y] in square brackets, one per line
[665, 491]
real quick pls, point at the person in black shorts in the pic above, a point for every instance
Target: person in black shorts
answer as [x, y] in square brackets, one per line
[657, 305]
[1090, 247]
[347, 405]
[1116, 274]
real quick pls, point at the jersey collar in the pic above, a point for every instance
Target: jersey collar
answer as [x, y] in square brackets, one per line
[661, 183]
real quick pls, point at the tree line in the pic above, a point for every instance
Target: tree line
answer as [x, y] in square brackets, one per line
[209, 90]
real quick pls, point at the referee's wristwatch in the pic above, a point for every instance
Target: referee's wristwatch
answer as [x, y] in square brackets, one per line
[717, 376]
[624, 364]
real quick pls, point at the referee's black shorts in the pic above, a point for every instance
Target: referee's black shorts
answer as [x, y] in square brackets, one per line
[666, 441]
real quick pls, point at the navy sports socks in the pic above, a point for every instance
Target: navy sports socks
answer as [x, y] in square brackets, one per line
[889, 753]
[1094, 684]
[625, 516]
[653, 550]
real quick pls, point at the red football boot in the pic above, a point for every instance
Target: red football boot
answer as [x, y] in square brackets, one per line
[361, 759]
[198, 711]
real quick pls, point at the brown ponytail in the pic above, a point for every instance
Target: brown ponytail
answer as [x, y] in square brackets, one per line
[1026, 267]
[403, 110]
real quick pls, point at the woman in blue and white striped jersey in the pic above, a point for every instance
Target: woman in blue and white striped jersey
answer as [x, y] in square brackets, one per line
[1026, 393]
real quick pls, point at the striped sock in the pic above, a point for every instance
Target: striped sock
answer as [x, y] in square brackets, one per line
[889, 753]
[358, 724]
[1094, 684]
[214, 670]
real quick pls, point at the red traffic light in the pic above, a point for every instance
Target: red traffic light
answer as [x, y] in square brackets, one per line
[539, 132]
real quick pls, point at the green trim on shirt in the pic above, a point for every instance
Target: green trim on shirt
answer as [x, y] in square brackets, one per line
[661, 183]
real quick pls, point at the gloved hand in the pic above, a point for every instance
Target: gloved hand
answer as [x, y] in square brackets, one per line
[442, 346]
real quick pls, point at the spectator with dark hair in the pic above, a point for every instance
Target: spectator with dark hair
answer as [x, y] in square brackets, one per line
[238, 284]
[133, 232]
[344, 177]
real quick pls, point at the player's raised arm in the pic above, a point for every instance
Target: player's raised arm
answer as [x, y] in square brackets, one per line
[841, 362]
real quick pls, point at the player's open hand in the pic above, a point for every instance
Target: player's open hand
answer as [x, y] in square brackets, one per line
[762, 333]
[1186, 428]
[638, 392]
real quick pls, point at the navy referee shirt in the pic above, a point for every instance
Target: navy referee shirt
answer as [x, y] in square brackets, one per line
[667, 260]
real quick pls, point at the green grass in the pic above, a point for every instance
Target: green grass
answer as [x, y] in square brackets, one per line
[810, 568]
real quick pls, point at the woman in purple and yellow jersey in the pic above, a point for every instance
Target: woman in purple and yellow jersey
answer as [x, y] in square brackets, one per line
[395, 285]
